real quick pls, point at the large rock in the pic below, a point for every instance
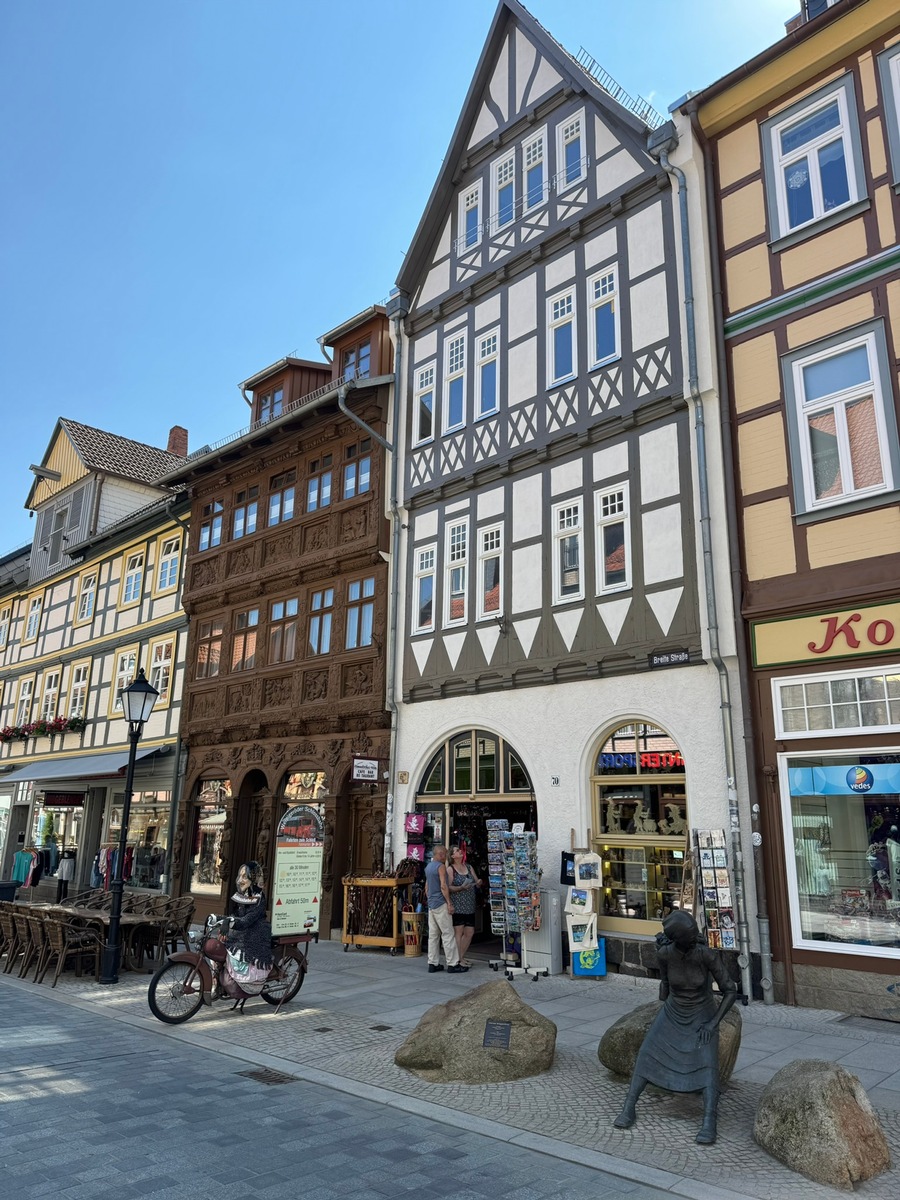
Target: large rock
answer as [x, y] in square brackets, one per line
[618, 1049]
[816, 1118]
[447, 1042]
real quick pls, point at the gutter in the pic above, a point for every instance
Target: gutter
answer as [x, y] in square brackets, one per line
[728, 457]
[658, 146]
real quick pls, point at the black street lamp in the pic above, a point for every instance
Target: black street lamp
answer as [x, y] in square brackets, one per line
[137, 705]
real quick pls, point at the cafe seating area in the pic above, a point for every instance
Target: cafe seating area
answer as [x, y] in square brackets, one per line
[35, 937]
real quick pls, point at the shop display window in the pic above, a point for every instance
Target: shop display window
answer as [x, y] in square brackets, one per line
[212, 831]
[842, 837]
[147, 837]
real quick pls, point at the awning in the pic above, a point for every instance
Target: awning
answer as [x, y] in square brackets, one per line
[86, 766]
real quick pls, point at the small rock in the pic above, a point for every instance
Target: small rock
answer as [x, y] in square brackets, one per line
[816, 1118]
[447, 1043]
[619, 1046]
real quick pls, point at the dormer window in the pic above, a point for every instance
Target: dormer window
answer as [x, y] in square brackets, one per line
[571, 158]
[270, 404]
[356, 362]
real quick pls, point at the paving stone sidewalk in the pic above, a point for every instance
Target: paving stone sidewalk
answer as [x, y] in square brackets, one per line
[355, 1009]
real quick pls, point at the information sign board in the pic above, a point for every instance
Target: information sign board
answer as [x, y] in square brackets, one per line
[365, 770]
[496, 1035]
[297, 884]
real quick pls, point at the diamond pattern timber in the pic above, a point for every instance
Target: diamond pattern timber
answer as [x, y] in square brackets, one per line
[652, 371]
[421, 651]
[487, 440]
[562, 409]
[665, 605]
[567, 623]
[573, 206]
[501, 245]
[453, 644]
[525, 631]
[522, 425]
[613, 615]
[533, 226]
[453, 454]
[421, 467]
[467, 267]
[605, 391]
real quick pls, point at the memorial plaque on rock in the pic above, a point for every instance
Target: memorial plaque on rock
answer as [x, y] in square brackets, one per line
[496, 1035]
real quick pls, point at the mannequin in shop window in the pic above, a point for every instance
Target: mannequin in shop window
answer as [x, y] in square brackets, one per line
[65, 873]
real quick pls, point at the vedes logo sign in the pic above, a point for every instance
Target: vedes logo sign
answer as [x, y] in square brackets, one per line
[860, 779]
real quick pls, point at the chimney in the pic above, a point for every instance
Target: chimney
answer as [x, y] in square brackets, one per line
[178, 441]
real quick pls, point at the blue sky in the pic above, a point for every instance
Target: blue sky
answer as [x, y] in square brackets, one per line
[195, 188]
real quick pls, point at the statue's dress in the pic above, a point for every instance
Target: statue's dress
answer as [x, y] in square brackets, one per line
[671, 1055]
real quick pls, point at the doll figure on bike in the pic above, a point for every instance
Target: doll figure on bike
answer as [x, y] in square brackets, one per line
[251, 932]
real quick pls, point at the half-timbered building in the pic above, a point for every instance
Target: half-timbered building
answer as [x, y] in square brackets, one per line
[286, 588]
[803, 146]
[94, 598]
[556, 658]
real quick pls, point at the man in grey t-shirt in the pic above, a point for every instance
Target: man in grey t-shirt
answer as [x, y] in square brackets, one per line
[440, 913]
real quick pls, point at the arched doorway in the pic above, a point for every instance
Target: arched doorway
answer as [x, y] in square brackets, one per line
[209, 829]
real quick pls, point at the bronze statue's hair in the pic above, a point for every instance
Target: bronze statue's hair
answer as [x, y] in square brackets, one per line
[679, 924]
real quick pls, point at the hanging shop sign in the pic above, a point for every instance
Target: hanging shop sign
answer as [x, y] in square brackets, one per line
[849, 633]
[297, 883]
[365, 770]
[63, 799]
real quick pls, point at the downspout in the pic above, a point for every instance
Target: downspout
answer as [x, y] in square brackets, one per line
[712, 617]
[178, 521]
[762, 912]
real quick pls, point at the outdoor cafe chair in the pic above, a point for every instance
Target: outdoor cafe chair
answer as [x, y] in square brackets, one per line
[9, 934]
[37, 940]
[65, 940]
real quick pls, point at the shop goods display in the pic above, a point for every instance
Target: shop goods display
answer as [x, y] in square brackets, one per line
[715, 889]
[513, 879]
[372, 908]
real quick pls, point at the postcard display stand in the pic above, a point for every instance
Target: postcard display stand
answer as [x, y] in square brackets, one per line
[514, 883]
[714, 889]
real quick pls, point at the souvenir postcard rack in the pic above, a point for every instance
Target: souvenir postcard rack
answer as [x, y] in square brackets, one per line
[513, 893]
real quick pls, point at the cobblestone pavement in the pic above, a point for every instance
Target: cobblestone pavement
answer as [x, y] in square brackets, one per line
[356, 1008]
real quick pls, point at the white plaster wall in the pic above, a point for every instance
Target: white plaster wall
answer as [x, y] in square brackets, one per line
[522, 307]
[527, 508]
[645, 240]
[521, 365]
[425, 347]
[649, 315]
[658, 457]
[661, 534]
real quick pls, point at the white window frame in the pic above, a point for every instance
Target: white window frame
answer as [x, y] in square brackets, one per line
[503, 174]
[538, 139]
[557, 321]
[567, 518]
[487, 350]
[87, 598]
[870, 336]
[5, 622]
[24, 701]
[426, 568]
[125, 671]
[360, 623]
[169, 559]
[490, 547]
[50, 694]
[456, 570]
[455, 353]
[33, 618]
[162, 665]
[469, 198]
[132, 578]
[603, 291]
[841, 91]
[889, 70]
[604, 516]
[827, 677]
[210, 533]
[79, 683]
[321, 621]
[562, 184]
[425, 384]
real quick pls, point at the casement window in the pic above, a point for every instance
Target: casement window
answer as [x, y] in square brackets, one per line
[24, 701]
[534, 165]
[568, 552]
[423, 613]
[487, 382]
[125, 671]
[211, 525]
[613, 541]
[561, 337]
[243, 644]
[469, 219]
[813, 158]
[603, 322]
[490, 572]
[5, 620]
[162, 655]
[357, 469]
[841, 422]
[503, 179]
[169, 558]
[423, 408]
[889, 70]
[132, 577]
[209, 649]
[33, 620]
[57, 532]
[360, 612]
[281, 497]
[856, 701]
[320, 615]
[455, 383]
[50, 695]
[78, 689]
[87, 597]
[246, 512]
[318, 485]
[571, 158]
[270, 404]
[456, 561]
[283, 630]
[356, 362]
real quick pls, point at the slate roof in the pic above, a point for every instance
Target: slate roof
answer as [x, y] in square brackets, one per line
[115, 455]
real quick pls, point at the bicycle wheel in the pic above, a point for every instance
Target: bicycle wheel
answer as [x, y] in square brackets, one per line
[286, 987]
[175, 993]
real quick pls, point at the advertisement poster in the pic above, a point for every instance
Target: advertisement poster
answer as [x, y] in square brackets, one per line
[297, 883]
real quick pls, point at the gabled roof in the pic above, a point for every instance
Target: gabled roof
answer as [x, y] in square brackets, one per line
[632, 130]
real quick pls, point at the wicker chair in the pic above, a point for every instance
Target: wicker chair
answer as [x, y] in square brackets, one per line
[9, 936]
[22, 940]
[67, 940]
[87, 899]
[37, 943]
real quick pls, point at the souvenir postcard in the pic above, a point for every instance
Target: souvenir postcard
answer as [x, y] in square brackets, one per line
[718, 837]
[720, 858]
[704, 838]
[725, 897]
[728, 940]
[714, 939]
[712, 918]
[710, 896]
[709, 878]
[722, 880]
[706, 858]
[726, 918]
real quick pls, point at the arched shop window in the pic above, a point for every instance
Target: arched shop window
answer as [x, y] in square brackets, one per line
[473, 777]
[640, 825]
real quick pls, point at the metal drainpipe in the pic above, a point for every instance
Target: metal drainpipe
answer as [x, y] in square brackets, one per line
[762, 912]
[712, 618]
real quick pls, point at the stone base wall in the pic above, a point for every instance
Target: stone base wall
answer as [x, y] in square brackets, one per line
[861, 993]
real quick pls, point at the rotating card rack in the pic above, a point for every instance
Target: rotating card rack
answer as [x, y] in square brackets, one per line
[514, 895]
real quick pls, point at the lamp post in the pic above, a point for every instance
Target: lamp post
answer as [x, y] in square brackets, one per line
[137, 705]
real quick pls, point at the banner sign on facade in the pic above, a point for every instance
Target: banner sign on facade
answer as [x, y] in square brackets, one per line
[365, 770]
[297, 884]
[845, 780]
[850, 633]
[63, 799]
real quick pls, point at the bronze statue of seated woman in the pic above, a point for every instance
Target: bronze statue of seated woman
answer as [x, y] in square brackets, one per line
[681, 1049]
